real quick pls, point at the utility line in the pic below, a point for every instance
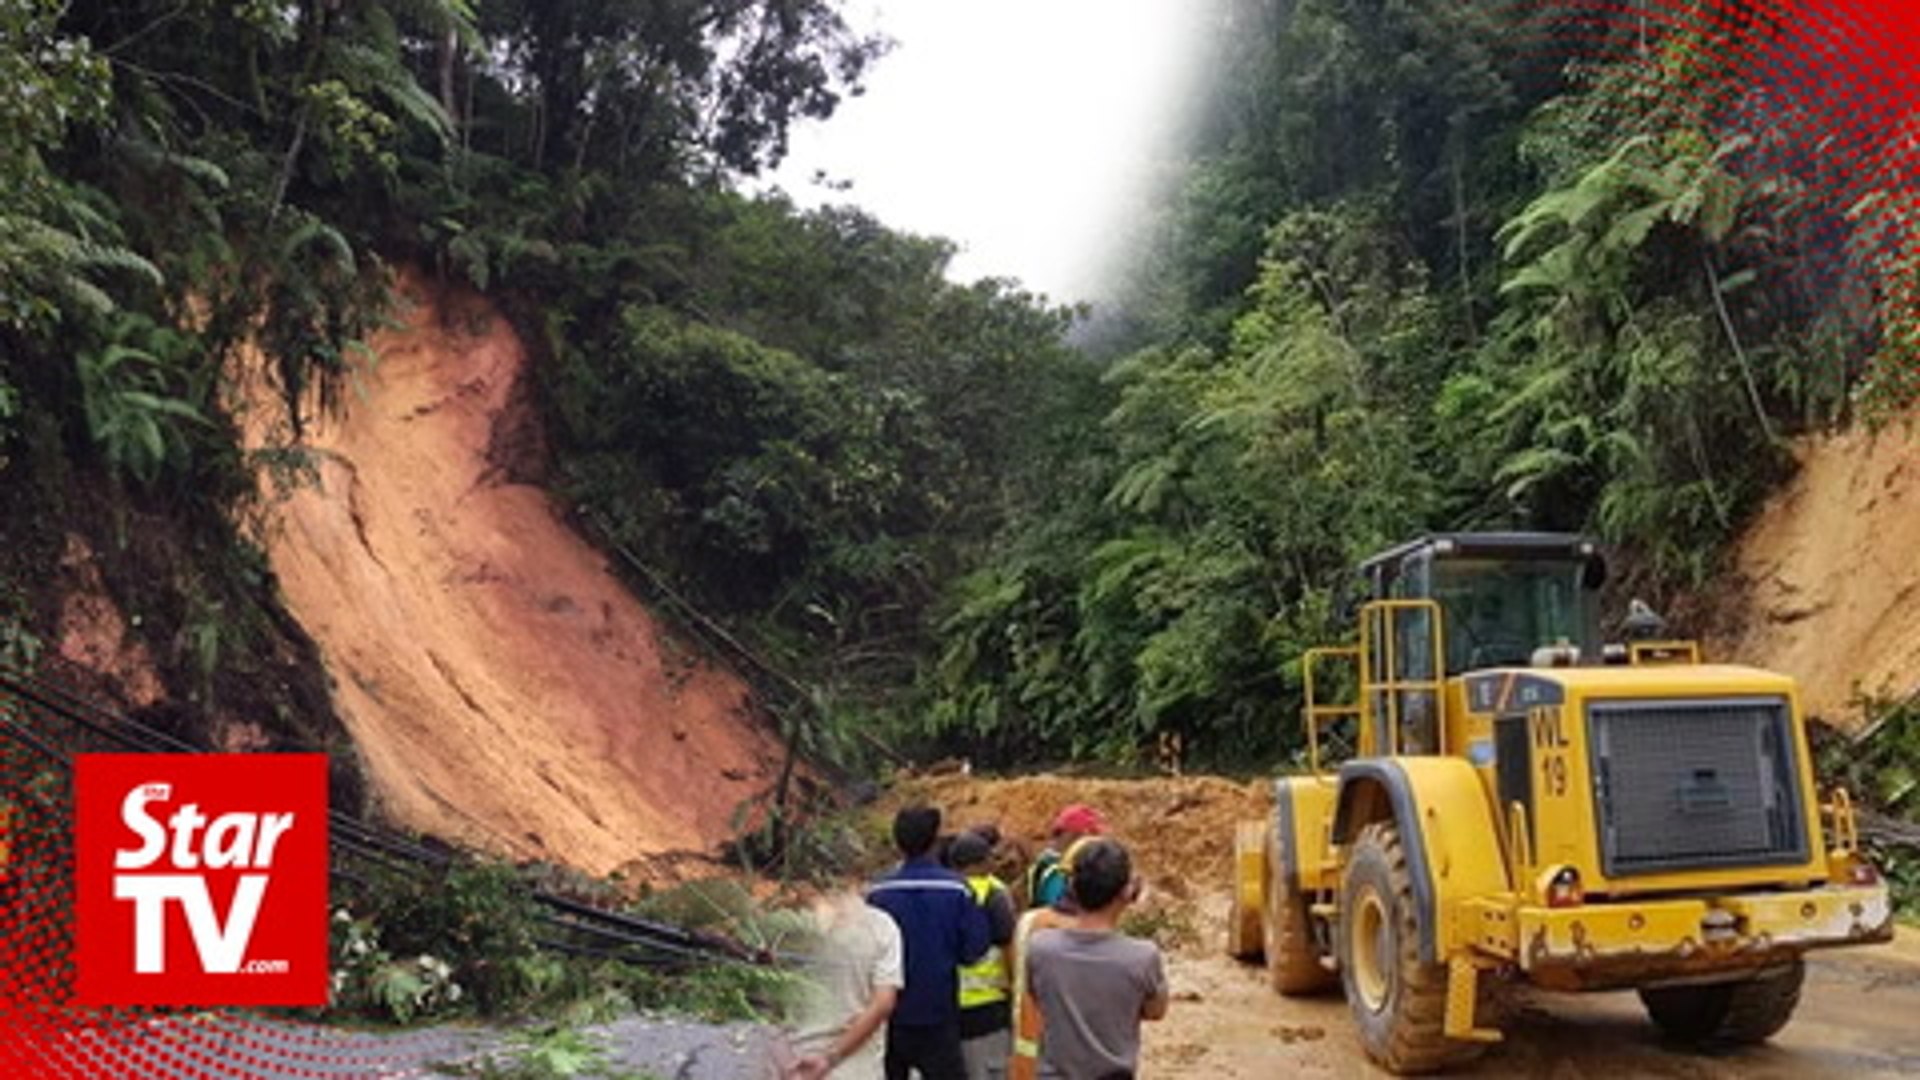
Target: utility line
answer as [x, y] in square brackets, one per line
[600, 931]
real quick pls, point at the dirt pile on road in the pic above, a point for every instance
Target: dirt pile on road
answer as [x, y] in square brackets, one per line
[1826, 574]
[503, 688]
[1180, 829]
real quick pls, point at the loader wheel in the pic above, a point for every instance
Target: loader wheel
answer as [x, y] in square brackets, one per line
[1731, 1013]
[1398, 1002]
[1293, 960]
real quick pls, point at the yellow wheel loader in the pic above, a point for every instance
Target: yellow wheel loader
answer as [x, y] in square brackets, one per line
[1496, 794]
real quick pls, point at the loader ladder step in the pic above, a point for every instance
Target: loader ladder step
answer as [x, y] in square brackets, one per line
[1463, 992]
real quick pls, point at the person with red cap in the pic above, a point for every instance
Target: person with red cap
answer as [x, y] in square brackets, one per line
[1047, 880]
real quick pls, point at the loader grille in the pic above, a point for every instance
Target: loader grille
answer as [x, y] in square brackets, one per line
[1681, 785]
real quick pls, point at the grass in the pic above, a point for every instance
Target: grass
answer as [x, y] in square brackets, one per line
[1168, 926]
[550, 1053]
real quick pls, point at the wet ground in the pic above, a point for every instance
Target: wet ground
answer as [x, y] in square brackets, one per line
[236, 1046]
[1859, 1017]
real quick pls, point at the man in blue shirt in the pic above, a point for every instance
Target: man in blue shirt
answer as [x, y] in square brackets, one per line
[942, 929]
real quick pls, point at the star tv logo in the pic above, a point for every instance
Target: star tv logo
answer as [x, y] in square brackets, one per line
[202, 879]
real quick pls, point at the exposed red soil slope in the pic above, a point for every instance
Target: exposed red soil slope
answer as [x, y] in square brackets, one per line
[1828, 578]
[504, 690]
[92, 631]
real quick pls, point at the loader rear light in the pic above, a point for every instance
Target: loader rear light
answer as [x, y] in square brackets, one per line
[1564, 890]
[1864, 873]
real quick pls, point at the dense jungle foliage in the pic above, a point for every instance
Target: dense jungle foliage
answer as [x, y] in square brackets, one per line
[1410, 277]
[1438, 265]
[794, 416]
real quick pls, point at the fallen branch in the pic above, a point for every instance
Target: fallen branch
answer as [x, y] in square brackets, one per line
[1885, 831]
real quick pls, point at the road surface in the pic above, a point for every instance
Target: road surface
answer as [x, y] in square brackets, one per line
[1859, 1017]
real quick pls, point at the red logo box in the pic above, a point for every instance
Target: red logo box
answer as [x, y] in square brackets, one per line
[201, 879]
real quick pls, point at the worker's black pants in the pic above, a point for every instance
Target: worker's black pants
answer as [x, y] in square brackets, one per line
[932, 1050]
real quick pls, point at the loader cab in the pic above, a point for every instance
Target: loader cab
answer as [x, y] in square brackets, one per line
[1502, 597]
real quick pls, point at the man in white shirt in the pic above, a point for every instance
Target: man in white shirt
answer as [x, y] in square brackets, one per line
[854, 982]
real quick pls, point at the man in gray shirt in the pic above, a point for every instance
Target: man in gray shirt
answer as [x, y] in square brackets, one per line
[1094, 983]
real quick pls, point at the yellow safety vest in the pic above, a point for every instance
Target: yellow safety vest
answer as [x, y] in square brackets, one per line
[984, 981]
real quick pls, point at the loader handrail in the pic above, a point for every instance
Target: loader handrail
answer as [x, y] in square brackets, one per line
[1315, 712]
[1388, 614]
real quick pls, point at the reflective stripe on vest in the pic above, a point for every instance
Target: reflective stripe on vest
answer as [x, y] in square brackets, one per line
[1026, 1010]
[984, 982]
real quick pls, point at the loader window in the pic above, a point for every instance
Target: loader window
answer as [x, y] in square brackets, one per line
[1499, 611]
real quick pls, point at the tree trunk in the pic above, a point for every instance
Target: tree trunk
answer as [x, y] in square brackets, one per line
[449, 55]
[1887, 831]
[1733, 339]
[314, 28]
[1460, 242]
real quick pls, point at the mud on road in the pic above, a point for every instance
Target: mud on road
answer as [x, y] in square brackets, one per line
[1859, 1016]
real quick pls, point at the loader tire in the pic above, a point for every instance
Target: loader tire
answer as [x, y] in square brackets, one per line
[1731, 1013]
[1293, 958]
[1398, 1002]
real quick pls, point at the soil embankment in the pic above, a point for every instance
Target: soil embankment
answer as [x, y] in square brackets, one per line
[1826, 579]
[502, 687]
[1182, 825]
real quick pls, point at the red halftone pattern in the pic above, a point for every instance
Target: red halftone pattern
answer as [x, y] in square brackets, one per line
[1814, 103]
[1833, 78]
[44, 1033]
[40, 1035]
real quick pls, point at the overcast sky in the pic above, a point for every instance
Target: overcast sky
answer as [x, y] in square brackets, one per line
[1026, 131]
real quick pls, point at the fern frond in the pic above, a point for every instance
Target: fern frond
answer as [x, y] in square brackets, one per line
[1550, 382]
[93, 256]
[1535, 465]
[87, 219]
[1630, 230]
[86, 294]
[381, 72]
[332, 240]
[201, 170]
[1144, 487]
